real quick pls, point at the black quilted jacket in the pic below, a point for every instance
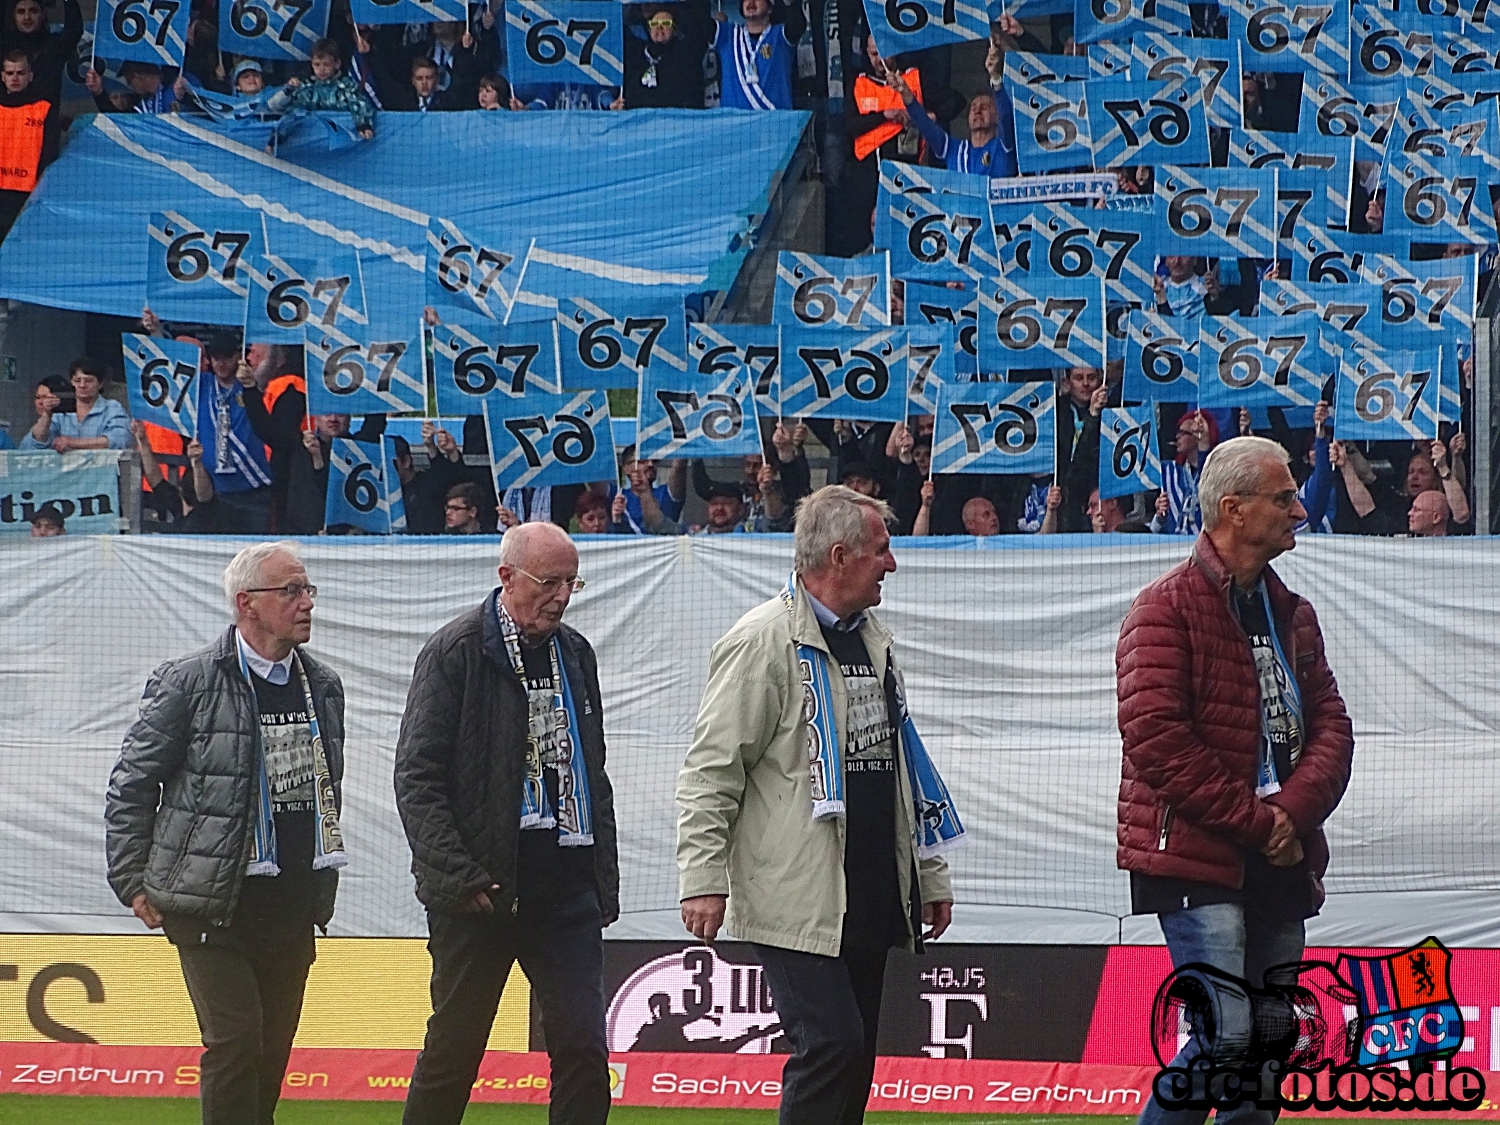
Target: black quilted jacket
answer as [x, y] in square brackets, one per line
[461, 758]
[177, 815]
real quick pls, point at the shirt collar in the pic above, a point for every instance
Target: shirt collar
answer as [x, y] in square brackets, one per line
[827, 617]
[263, 667]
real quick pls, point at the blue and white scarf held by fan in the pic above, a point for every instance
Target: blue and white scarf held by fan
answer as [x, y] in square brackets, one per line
[938, 827]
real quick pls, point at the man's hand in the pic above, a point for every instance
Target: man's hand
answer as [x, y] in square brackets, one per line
[467, 42]
[902, 89]
[517, 105]
[93, 82]
[1336, 455]
[195, 451]
[937, 917]
[1159, 288]
[151, 322]
[293, 82]
[138, 431]
[1163, 505]
[1458, 443]
[1283, 848]
[927, 493]
[1439, 454]
[313, 447]
[781, 438]
[617, 509]
[62, 444]
[766, 477]
[1211, 286]
[506, 517]
[1320, 417]
[994, 60]
[446, 445]
[480, 902]
[1097, 400]
[1054, 498]
[245, 374]
[367, 134]
[1011, 26]
[618, 103]
[180, 87]
[146, 912]
[799, 434]
[703, 915]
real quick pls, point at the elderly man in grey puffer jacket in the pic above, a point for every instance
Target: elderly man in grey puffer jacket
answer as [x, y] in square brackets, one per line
[222, 825]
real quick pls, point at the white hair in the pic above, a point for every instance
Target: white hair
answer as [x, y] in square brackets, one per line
[244, 570]
[517, 540]
[1235, 467]
[832, 515]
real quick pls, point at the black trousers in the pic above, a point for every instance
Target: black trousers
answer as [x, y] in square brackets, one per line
[247, 1011]
[830, 1008]
[561, 951]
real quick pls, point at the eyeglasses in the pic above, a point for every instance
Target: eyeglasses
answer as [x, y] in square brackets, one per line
[661, 23]
[459, 507]
[553, 585]
[1283, 500]
[292, 591]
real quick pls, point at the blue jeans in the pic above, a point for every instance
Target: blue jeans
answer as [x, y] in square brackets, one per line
[1245, 945]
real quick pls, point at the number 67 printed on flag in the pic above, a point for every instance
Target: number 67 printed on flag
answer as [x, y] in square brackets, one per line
[161, 379]
[148, 31]
[538, 440]
[995, 428]
[565, 41]
[1389, 395]
[1128, 461]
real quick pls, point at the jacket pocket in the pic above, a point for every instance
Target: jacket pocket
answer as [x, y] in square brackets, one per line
[183, 852]
[1165, 828]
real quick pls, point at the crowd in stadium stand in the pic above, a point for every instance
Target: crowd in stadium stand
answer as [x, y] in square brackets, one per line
[684, 55]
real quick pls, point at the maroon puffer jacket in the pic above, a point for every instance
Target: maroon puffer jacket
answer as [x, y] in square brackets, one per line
[1189, 710]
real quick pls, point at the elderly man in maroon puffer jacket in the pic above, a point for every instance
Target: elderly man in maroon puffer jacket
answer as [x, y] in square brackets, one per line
[1236, 743]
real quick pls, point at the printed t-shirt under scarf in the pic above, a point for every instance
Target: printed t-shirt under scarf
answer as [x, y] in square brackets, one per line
[275, 912]
[873, 915]
[1269, 891]
[548, 872]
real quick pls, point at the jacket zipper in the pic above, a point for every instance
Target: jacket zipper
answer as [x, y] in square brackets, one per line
[1166, 827]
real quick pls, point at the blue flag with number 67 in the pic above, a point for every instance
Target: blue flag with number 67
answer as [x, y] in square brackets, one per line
[688, 414]
[542, 439]
[995, 428]
[1388, 396]
[161, 378]
[1128, 461]
[565, 41]
[357, 487]
[148, 31]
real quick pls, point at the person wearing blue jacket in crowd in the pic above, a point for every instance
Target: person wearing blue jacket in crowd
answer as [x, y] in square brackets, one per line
[96, 423]
[1317, 493]
[991, 147]
[757, 58]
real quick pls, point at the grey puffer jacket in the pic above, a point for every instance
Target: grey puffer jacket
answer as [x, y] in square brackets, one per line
[461, 757]
[177, 816]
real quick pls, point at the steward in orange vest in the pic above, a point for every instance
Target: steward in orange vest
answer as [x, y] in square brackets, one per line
[29, 128]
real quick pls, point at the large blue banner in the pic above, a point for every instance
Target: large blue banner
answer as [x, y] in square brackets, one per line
[816, 292]
[995, 428]
[273, 29]
[358, 487]
[544, 439]
[117, 170]
[753, 351]
[1388, 396]
[843, 373]
[198, 263]
[565, 41]
[1259, 361]
[148, 31]
[161, 378]
[611, 346]
[83, 485]
[474, 357]
[1128, 461]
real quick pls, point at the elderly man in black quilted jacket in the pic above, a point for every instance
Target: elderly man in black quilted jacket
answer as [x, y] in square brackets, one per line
[222, 825]
[500, 783]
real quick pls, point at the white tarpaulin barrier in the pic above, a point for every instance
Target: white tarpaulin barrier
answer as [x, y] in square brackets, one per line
[1008, 655]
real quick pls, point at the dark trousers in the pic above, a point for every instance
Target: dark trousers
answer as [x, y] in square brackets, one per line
[562, 953]
[830, 1008]
[247, 1011]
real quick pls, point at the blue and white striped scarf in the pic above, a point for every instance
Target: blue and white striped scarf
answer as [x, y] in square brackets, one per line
[1267, 779]
[574, 818]
[328, 840]
[938, 828]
